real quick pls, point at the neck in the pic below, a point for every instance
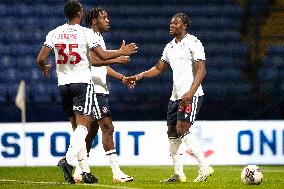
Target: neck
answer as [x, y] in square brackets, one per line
[180, 37]
[74, 21]
[95, 29]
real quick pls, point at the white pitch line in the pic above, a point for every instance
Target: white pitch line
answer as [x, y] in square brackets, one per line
[59, 183]
[263, 169]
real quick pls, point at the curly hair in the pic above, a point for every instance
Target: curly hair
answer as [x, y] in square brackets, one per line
[184, 18]
[93, 14]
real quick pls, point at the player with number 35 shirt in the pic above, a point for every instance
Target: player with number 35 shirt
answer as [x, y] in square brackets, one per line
[71, 41]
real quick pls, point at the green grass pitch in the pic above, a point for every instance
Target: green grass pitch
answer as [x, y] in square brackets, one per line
[144, 177]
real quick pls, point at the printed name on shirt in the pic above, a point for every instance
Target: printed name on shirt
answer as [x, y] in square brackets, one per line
[66, 36]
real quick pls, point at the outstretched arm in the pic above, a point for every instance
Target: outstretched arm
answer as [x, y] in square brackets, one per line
[41, 60]
[125, 50]
[154, 71]
[112, 73]
[96, 61]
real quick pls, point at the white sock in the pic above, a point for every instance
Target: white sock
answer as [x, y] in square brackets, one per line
[176, 157]
[77, 141]
[192, 145]
[78, 172]
[83, 160]
[112, 158]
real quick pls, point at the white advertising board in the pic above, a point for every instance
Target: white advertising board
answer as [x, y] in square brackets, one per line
[146, 143]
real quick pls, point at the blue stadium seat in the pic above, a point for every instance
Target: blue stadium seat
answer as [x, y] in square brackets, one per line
[2, 93]
[220, 91]
[268, 73]
[215, 91]
[275, 50]
[12, 89]
[222, 23]
[6, 62]
[220, 61]
[224, 37]
[26, 62]
[281, 91]
[268, 88]
[232, 49]
[43, 92]
[275, 60]
[281, 75]
[239, 89]
[10, 75]
[226, 74]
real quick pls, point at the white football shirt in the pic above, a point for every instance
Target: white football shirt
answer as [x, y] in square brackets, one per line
[181, 57]
[71, 44]
[99, 73]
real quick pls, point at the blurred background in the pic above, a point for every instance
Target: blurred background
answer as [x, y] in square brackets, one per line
[243, 41]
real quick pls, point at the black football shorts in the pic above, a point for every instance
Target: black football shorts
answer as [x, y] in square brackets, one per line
[188, 114]
[77, 98]
[101, 108]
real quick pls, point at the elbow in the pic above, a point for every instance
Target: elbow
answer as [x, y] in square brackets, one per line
[39, 60]
[204, 72]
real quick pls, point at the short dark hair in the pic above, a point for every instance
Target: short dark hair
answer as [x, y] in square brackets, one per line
[184, 18]
[93, 14]
[71, 9]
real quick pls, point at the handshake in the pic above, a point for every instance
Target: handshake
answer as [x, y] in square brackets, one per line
[131, 80]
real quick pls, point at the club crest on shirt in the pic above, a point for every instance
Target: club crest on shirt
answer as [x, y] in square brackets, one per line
[105, 110]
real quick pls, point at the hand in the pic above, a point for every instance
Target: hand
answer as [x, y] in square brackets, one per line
[128, 49]
[186, 99]
[129, 82]
[122, 59]
[138, 76]
[47, 70]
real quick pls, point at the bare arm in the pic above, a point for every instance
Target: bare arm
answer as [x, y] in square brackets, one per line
[41, 60]
[199, 77]
[124, 50]
[112, 73]
[154, 71]
[96, 61]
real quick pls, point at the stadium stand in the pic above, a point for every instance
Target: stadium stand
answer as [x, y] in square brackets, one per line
[217, 23]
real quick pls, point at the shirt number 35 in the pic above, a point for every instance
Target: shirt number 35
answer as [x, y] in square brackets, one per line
[74, 57]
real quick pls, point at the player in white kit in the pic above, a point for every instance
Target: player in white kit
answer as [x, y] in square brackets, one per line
[185, 55]
[71, 44]
[97, 19]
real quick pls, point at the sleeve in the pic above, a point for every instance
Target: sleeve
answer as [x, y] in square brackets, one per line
[197, 50]
[48, 40]
[92, 39]
[165, 57]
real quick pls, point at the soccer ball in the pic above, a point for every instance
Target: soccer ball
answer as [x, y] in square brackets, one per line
[251, 174]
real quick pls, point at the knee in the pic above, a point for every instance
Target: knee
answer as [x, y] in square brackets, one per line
[183, 129]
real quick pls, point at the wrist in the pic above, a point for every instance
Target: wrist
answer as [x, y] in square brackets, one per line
[121, 52]
[122, 78]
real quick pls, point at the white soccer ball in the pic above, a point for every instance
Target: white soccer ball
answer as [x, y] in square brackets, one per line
[251, 174]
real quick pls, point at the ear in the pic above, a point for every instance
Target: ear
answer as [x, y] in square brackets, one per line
[80, 15]
[94, 21]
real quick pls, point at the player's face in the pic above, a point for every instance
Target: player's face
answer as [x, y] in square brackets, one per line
[176, 26]
[103, 22]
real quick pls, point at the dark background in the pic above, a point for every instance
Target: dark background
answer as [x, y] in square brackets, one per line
[243, 42]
